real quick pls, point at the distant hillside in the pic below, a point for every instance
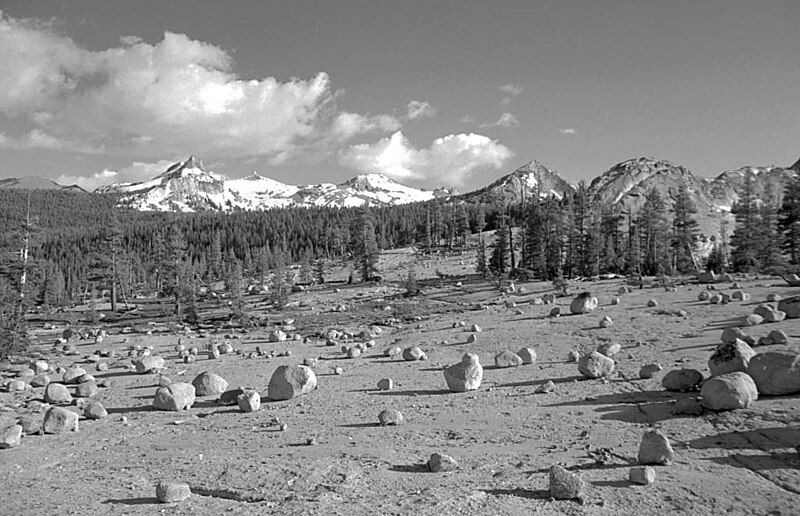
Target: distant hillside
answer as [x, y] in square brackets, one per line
[35, 183]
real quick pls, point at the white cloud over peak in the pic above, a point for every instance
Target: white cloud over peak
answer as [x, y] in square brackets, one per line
[134, 173]
[506, 120]
[178, 95]
[568, 130]
[449, 160]
[420, 108]
[512, 89]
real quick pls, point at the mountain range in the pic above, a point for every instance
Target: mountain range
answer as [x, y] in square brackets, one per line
[186, 186]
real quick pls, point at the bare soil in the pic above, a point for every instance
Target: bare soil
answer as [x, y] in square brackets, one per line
[503, 436]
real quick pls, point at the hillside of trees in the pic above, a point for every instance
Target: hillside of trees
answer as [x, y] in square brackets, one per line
[80, 245]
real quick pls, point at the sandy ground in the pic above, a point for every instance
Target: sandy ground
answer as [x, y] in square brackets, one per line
[503, 436]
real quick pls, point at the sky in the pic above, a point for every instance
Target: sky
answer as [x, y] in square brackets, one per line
[431, 93]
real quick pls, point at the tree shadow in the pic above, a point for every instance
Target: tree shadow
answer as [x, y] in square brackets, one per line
[767, 462]
[132, 501]
[633, 407]
[763, 439]
[528, 494]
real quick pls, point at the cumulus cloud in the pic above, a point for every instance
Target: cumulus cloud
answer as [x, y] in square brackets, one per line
[420, 108]
[512, 89]
[449, 160]
[134, 173]
[506, 120]
[568, 130]
[178, 95]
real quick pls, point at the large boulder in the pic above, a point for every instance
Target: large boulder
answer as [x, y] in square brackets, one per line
[209, 384]
[729, 391]
[465, 375]
[790, 305]
[768, 313]
[289, 381]
[682, 380]
[175, 396]
[507, 358]
[565, 485]
[707, 277]
[595, 365]
[583, 303]
[729, 358]
[655, 448]
[776, 372]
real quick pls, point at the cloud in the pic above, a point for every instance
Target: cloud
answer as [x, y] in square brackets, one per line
[134, 173]
[466, 119]
[512, 89]
[568, 130]
[420, 108]
[449, 160]
[506, 120]
[177, 96]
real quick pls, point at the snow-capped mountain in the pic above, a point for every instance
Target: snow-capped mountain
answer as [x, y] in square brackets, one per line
[187, 187]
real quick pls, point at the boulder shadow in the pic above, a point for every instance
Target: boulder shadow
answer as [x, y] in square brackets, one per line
[634, 407]
[360, 425]
[132, 501]
[417, 392]
[410, 468]
[540, 381]
[763, 439]
[528, 494]
[128, 410]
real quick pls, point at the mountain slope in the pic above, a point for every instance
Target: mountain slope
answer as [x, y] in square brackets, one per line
[187, 187]
[531, 180]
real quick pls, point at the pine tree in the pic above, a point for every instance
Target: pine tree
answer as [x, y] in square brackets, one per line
[234, 286]
[746, 237]
[215, 257]
[684, 231]
[789, 220]
[653, 234]
[366, 249]
[769, 247]
[480, 257]
[462, 225]
[305, 273]
[280, 285]
[498, 262]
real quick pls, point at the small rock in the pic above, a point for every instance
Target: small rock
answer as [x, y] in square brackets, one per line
[148, 364]
[475, 328]
[40, 380]
[57, 394]
[10, 437]
[682, 380]
[209, 384]
[472, 338]
[172, 492]
[595, 365]
[353, 352]
[439, 462]
[753, 320]
[230, 397]
[249, 401]
[583, 303]
[390, 417]
[555, 311]
[649, 370]
[573, 356]
[776, 336]
[507, 359]
[95, 410]
[644, 475]
[59, 420]
[385, 384]
[414, 353]
[465, 375]
[546, 387]
[655, 448]
[652, 303]
[86, 390]
[73, 374]
[528, 355]
[609, 349]
[565, 485]
[393, 351]
[176, 396]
